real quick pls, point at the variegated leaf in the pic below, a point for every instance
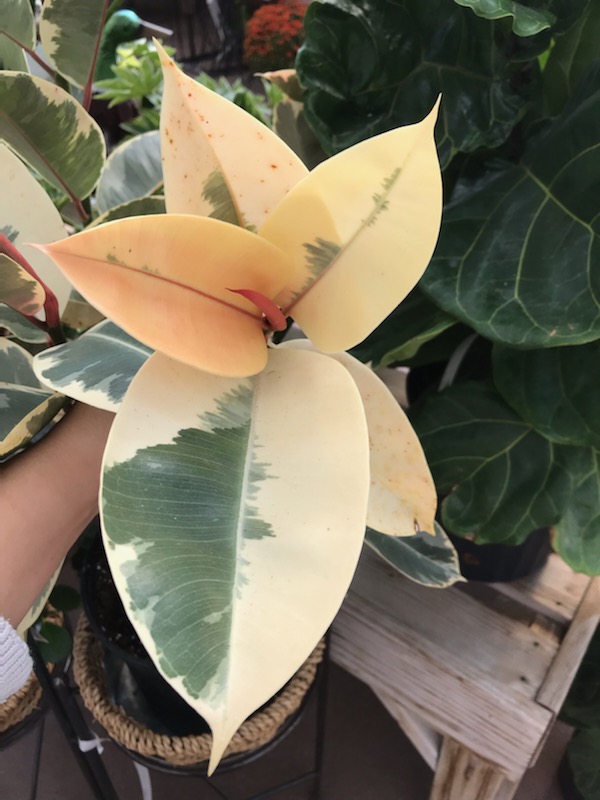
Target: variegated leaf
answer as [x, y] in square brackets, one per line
[133, 170]
[21, 328]
[16, 365]
[68, 150]
[70, 32]
[25, 412]
[17, 27]
[232, 526]
[17, 22]
[425, 559]
[167, 280]
[133, 208]
[361, 229]
[205, 170]
[22, 193]
[402, 497]
[96, 368]
[19, 289]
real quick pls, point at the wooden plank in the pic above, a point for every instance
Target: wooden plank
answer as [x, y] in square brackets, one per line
[554, 592]
[462, 776]
[447, 692]
[513, 653]
[425, 740]
[553, 691]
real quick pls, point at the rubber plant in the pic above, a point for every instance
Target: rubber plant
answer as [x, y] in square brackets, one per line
[504, 327]
[239, 476]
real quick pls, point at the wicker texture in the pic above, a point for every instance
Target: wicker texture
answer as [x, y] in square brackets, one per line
[257, 731]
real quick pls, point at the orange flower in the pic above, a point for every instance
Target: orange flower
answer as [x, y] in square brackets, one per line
[273, 35]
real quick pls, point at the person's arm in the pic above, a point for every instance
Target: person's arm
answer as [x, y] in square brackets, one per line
[48, 494]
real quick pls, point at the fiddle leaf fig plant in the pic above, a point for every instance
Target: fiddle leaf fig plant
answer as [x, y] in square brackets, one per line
[501, 334]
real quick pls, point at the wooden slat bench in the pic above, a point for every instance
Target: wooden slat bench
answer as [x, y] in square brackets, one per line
[474, 674]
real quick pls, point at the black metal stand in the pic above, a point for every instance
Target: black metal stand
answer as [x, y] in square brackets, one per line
[60, 695]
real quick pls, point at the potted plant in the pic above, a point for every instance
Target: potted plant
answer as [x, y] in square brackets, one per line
[502, 333]
[238, 476]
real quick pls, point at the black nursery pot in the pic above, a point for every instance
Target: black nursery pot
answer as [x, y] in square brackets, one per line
[133, 681]
[500, 562]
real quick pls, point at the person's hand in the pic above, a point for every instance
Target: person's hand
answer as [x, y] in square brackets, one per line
[48, 494]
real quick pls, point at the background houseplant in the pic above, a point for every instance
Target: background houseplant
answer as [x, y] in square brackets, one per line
[98, 366]
[507, 313]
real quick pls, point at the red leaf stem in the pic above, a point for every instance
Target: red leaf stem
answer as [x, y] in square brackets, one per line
[52, 324]
[273, 314]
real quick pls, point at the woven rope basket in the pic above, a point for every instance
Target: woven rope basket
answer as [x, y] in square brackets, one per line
[257, 731]
[24, 702]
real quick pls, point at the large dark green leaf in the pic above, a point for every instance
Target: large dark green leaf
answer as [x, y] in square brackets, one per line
[400, 336]
[68, 149]
[577, 534]
[371, 66]
[525, 21]
[556, 391]
[571, 56]
[519, 257]
[501, 478]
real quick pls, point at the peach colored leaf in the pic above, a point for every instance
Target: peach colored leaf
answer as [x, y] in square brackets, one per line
[218, 160]
[166, 280]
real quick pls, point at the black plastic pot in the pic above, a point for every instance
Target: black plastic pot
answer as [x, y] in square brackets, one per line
[500, 562]
[133, 681]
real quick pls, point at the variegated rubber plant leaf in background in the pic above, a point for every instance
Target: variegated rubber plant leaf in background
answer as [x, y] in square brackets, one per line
[238, 477]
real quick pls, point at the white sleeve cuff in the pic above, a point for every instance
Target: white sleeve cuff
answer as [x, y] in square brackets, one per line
[15, 661]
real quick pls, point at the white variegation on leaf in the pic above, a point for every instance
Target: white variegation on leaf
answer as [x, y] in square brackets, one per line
[27, 407]
[70, 32]
[20, 194]
[430, 560]
[218, 160]
[232, 526]
[133, 170]
[96, 368]
[402, 498]
[361, 229]
[20, 327]
[19, 289]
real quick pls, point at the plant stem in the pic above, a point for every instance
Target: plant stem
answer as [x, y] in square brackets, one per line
[40, 61]
[52, 325]
[87, 91]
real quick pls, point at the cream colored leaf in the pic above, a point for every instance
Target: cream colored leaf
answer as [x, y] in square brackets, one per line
[361, 229]
[28, 215]
[233, 513]
[402, 498]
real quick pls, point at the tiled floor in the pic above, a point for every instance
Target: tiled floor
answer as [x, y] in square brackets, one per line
[366, 758]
